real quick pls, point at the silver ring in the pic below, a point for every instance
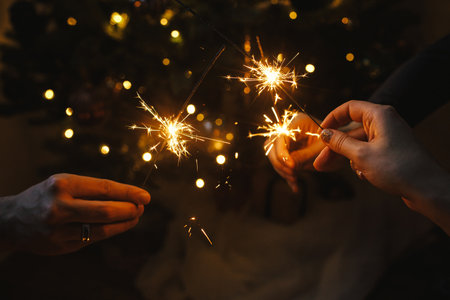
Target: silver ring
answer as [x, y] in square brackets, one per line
[85, 233]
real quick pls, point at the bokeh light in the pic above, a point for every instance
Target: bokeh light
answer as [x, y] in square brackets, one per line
[221, 159]
[49, 94]
[68, 133]
[200, 183]
[190, 109]
[147, 156]
[104, 149]
[310, 68]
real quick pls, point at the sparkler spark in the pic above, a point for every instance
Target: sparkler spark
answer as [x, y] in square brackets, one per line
[280, 128]
[174, 134]
[270, 76]
[192, 221]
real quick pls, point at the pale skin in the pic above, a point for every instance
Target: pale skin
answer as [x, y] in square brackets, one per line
[47, 217]
[386, 153]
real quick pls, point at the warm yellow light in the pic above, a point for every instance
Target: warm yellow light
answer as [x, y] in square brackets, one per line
[229, 136]
[219, 122]
[350, 56]
[69, 111]
[49, 94]
[246, 90]
[345, 20]
[147, 156]
[280, 57]
[166, 61]
[126, 85]
[190, 109]
[68, 133]
[218, 146]
[175, 34]
[71, 21]
[137, 3]
[200, 183]
[164, 21]
[293, 15]
[247, 46]
[188, 74]
[310, 68]
[200, 117]
[104, 149]
[116, 18]
[236, 155]
[221, 159]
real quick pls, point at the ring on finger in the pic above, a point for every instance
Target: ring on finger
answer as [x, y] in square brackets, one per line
[85, 233]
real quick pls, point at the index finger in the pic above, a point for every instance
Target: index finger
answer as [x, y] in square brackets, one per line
[96, 188]
[358, 111]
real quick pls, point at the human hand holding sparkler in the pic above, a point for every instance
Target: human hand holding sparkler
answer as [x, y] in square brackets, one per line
[289, 155]
[390, 159]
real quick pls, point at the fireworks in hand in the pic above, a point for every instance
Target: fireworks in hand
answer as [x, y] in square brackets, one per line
[270, 76]
[280, 128]
[174, 134]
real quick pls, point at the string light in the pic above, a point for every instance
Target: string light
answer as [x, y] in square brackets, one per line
[349, 56]
[164, 21]
[200, 183]
[219, 122]
[345, 20]
[229, 136]
[104, 149]
[175, 34]
[69, 111]
[147, 156]
[236, 155]
[190, 109]
[188, 74]
[116, 18]
[221, 159]
[247, 90]
[71, 21]
[68, 133]
[49, 94]
[310, 68]
[166, 61]
[293, 15]
[200, 117]
[126, 84]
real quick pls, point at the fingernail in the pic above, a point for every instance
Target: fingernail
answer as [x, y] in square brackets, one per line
[144, 197]
[326, 135]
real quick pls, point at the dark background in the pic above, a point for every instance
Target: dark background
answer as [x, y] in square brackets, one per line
[86, 64]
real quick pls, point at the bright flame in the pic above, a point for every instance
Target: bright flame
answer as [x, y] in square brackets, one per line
[174, 134]
[271, 76]
[279, 128]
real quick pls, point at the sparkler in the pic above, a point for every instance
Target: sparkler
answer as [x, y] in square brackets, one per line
[270, 76]
[280, 128]
[173, 134]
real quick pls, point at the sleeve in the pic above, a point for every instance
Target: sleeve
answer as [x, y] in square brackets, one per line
[421, 85]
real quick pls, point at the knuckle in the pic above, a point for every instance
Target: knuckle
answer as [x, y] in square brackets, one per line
[106, 187]
[57, 183]
[360, 154]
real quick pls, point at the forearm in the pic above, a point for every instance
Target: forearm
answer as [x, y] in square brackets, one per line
[432, 197]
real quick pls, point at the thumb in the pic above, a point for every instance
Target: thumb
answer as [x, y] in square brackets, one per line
[341, 143]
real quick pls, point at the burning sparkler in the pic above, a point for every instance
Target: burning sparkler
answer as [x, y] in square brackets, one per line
[280, 128]
[270, 76]
[174, 134]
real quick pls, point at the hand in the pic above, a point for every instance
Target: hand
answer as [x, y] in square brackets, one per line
[47, 217]
[390, 159]
[288, 156]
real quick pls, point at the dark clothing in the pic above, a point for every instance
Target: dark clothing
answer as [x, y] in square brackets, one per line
[421, 85]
